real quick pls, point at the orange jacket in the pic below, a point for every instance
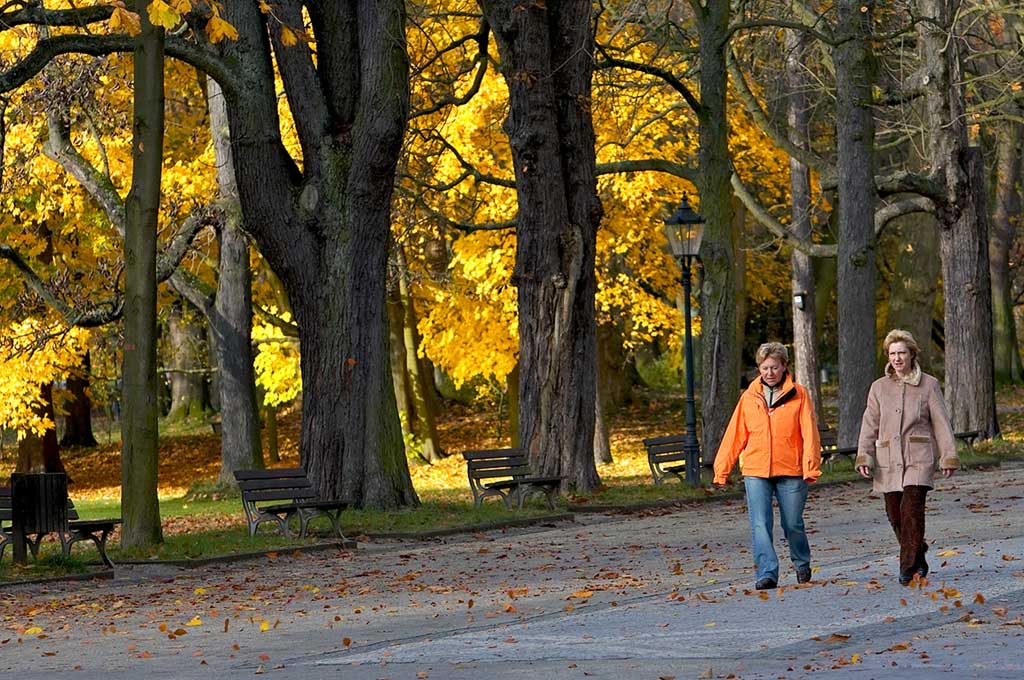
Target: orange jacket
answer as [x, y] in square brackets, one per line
[779, 442]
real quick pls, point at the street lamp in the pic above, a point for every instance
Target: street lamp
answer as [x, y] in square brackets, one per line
[684, 230]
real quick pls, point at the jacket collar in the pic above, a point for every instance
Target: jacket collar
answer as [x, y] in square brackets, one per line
[913, 379]
[785, 389]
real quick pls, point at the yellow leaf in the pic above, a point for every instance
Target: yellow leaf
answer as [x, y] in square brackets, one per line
[288, 38]
[217, 30]
[264, 626]
[581, 594]
[34, 630]
[196, 621]
[123, 20]
[199, 591]
[949, 553]
[162, 14]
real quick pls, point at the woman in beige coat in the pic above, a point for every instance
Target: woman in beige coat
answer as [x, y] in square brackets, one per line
[904, 430]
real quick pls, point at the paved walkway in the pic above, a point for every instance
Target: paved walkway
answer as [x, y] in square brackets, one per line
[665, 594]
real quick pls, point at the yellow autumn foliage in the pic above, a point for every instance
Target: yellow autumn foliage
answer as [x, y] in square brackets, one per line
[278, 373]
[27, 363]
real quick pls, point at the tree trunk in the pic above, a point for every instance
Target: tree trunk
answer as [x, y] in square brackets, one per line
[720, 384]
[41, 454]
[855, 129]
[78, 421]
[602, 447]
[512, 388]
[967, 291]
[805, 337]
[739, 282]
[970, 381]
[140, 507]
[546, 58]
[1009, 137]
[423, 421]
[915, 282]
[325, 227]
[230, 317]
[399, 376]
[185, 363]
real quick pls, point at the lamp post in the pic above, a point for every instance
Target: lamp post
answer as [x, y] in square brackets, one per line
[684, 230]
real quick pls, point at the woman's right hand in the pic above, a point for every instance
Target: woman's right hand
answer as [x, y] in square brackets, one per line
[864, 471]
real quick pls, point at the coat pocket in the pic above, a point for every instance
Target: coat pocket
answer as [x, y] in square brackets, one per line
[920, 451]
[882, 453]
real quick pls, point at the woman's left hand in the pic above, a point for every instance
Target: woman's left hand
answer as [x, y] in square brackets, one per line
[948, 472]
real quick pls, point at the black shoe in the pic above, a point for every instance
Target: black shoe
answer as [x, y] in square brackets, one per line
[803, 574]
[766, 583]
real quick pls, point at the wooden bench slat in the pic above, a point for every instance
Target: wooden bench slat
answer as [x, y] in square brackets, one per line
[270, 473]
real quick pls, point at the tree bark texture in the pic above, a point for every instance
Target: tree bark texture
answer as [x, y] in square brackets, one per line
[547, 61]
[970, 379]
[855, 130]
[718, 378]
[325, 228]
[78, 421]
[185, 362]
[1006, 212]
[140, 507]
[805, 337]
[230, 315]
[967, 290]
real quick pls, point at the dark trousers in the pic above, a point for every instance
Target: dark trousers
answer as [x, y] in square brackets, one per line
[906, 515]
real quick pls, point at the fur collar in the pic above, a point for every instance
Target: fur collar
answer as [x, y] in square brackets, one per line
[913, 379]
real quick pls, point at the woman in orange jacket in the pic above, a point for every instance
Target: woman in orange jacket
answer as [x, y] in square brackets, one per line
[774, 435]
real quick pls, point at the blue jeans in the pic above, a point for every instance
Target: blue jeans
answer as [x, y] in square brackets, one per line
[791, 493]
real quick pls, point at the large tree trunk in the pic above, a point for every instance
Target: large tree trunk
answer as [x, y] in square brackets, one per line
[720, 383]
[967, 291]
[140, 507]
[230, 316]
[325, 228]
[185, 362]
[855, 129]
[915, 283]
[546, 57]
[78, 421]
[970, 382]
[805, 337]
[1009, 138]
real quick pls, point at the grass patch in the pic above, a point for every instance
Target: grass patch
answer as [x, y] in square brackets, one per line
[49, 565]
[211, 543]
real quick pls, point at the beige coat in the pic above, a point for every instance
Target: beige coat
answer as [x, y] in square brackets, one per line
[904, 430]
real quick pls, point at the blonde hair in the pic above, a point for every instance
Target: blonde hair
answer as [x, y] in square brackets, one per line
[900, 335]
[772, 350]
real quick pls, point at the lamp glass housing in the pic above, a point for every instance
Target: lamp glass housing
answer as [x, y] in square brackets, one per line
[684, 230]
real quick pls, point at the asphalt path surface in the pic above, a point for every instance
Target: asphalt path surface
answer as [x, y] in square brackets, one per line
[657, 594]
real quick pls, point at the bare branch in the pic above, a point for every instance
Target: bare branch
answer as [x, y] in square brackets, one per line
[774, 226]
[667, 77]
[782, 140]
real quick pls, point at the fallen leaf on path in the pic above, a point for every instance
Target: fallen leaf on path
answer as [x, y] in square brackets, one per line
[948, 553]
[834, 637]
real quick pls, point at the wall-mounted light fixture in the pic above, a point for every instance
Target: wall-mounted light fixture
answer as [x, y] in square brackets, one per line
[800, 300]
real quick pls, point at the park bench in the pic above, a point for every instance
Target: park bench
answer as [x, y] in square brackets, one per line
[282, 494]
[506, 473]
[666, 457]
[968, 438]
[95, 530]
